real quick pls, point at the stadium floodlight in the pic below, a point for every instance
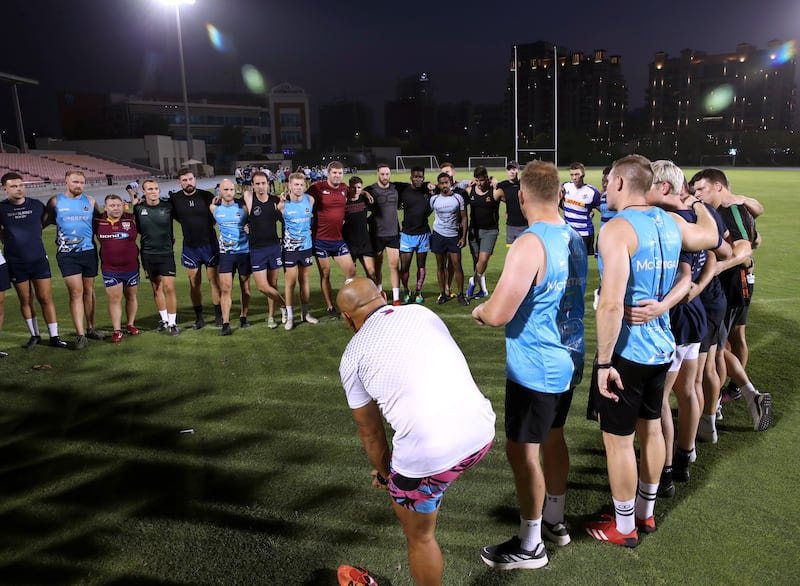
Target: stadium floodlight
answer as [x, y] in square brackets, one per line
[177, 4]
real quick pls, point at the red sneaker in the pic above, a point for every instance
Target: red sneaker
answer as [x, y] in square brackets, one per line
[132, 330]
[350, 576]
[646, 525]
[116, 338]
[606, 530]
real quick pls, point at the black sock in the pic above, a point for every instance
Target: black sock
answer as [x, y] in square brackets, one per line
[198, 311]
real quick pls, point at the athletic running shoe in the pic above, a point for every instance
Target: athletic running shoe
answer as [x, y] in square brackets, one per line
[81, 342]
[95, 334]
[271, 323]
[397, 303]
[680, 465]
[418, 298]
[606, 530]
[289, 324]
[132, 330]
[116, 337]
[3, 354]
[332, 313]
[199, 324]
[706, 431]
[761, 411]
[161, 327]
[443, 298]
[174, 331]
[350, 576]
[471, 287]
[283, 315]
[719, 415]
[481, 294]
[243, 323]
[56, 342]
[462, 299]
[33, 341]
[511, 556]
[406, 296]
[730, 393]
[310, 319]
[666, 488]
[226, 329]
[646, 525]
[556, 533]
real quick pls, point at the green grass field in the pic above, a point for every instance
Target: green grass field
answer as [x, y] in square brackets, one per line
[99, 484]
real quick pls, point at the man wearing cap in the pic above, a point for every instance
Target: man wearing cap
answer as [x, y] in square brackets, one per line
[508, 191]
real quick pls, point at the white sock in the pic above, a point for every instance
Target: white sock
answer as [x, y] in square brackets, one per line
[554, 508]
[395, 293]
[164, 315]
[483, 284]
[172, 319]
[530, 533]
[624, 511]
[289, 313]
[749, 392]
[31, 328]
[710, 421]
[645, 500]
[52, 329]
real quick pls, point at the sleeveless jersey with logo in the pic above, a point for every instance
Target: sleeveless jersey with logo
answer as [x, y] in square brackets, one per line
[297, 224]
[652, 274]
[543, 353]
[231, 220]
[74, 223]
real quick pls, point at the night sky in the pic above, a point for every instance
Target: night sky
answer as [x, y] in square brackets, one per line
[354, 49]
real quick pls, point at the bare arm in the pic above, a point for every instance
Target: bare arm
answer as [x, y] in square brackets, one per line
[649, 309]
[463, 240]
[525, 262]
[50, 212]
[742, 251]
[752, 204]
[373, 436]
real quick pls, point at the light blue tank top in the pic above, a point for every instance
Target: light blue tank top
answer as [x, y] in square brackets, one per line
[544, 340]
[297, 224]
[652, 275]
[74, 223]
[231, 220]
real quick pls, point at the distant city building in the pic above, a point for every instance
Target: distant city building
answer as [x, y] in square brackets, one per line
[345, 122]
[411, 114]
[748, 90]
[276, 123]
[592, 95]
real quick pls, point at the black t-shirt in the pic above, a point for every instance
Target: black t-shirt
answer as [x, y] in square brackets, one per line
[196, 221]
[416, 210]
[514, 215]
[484, 210]
[741, 226]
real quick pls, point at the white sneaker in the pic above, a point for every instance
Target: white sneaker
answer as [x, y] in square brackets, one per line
[761, 410]
[284, 315]
[308, 318]
[288, 325]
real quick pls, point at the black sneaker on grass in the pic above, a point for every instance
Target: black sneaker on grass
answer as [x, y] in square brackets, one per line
[56, 342]
[511, 556]
[556, 533]
[332, 313]
[161, 327]
[33, 341]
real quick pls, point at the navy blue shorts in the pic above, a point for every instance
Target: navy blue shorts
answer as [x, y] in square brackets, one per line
[21, 272]
[444, 244]
[329, 248]
[5, 282]
[238, 262]
[193, 258]
[82, 263]
[130, 279]
[293, 258]
[266, 258]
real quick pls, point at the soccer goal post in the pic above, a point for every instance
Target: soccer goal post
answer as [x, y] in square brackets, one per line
[488, 162]
[427, 162]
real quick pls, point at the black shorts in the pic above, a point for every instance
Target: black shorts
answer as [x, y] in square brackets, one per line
[742, 321]
[380, 242]
[82, 263]
[159, 265]
[530, 415]
[589, 242]
[640, 399]
[444, 244]
[714, 329]
[5, 281]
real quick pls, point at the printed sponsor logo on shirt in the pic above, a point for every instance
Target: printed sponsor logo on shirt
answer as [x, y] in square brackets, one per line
[653, 264]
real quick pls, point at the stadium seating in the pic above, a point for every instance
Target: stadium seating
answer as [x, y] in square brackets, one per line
[39, 170]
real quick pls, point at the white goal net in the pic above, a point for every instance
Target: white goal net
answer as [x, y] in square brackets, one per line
[488, 162]
[427, 162]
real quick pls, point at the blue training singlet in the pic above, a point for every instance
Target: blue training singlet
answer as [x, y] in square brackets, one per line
[652, 274]
[74, 223]
[231, 220]
[297, 224]
[544, 339]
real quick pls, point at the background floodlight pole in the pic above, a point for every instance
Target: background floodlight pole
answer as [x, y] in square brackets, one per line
[189, 144]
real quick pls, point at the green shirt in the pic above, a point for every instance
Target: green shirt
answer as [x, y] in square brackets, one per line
[155, 226]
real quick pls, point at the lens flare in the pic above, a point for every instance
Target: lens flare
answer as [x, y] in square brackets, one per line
[215, 37]
[719, 99]
[784, 53]
[253, 79]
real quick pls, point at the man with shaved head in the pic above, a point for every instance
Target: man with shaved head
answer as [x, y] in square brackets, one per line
[426, 406]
